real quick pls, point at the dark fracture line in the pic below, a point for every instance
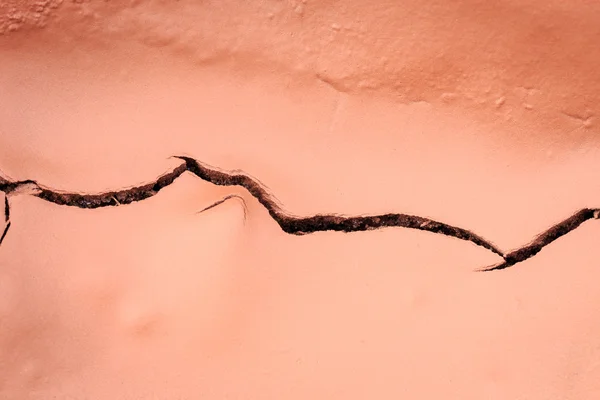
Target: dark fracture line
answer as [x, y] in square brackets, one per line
[5, 232]
[289, 223]
[6, 218]
[545, 238]
[328, 222]
[121, 197]
[125, 196]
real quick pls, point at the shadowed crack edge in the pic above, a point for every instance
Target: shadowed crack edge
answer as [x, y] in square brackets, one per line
[289, 223]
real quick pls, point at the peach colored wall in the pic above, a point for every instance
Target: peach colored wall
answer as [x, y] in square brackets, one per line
[482, 114]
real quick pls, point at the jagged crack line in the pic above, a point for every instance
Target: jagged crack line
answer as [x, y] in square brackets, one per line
[294, 224]
[329, 222]
[542, 240]
[121, 197]
[288, 223]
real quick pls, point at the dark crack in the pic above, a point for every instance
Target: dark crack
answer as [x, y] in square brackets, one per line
[4, 232]
[328, 222]
[545, 238]
[6, 218]
[289, 223]
[125, 196]
[6, 209]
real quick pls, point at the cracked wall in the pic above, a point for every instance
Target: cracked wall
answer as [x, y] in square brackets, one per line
[468, 127]
[289, 223]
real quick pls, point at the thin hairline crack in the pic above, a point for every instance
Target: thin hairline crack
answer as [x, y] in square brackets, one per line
[290, 224]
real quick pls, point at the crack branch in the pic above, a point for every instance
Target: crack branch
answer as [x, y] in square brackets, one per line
[223, 200]
[289, 223]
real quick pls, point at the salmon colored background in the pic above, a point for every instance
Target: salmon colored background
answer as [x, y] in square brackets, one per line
[481, 114]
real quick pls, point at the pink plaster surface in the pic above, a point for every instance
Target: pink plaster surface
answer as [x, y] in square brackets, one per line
[480, 114]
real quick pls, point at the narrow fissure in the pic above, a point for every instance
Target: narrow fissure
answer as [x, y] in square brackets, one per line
[289, 223]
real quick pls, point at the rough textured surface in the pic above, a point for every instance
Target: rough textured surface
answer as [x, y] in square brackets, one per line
[19, 15]
[533, 62]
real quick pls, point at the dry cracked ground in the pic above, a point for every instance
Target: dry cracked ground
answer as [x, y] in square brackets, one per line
[296, 199]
